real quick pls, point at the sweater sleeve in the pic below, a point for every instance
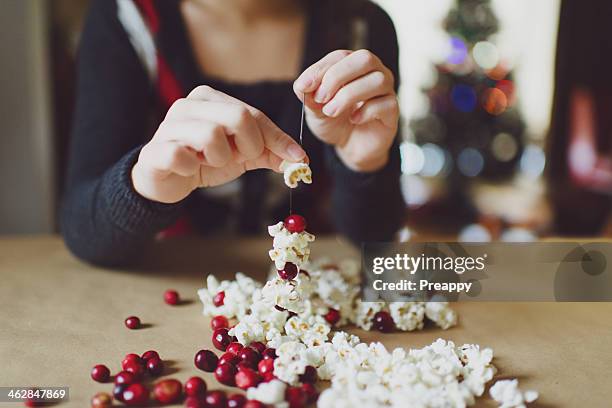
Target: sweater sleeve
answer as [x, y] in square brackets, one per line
[103, 219]
[369, 207]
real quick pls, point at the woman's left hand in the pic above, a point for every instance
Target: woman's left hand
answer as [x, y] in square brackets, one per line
[351, 104]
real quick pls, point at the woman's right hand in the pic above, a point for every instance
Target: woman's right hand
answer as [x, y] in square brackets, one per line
[208, 139]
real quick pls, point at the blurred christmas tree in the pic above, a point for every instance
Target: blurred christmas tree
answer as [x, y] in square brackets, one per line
[472, 130]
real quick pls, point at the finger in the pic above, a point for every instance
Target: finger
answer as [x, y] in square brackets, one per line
[384, 108]
[311, 78]
[170, 157]
[367, 87]
[267, 160]
[348, 69]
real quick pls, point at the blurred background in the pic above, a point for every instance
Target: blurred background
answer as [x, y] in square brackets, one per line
[491, 148]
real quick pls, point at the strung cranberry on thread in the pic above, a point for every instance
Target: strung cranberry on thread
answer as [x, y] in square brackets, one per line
[100, 373]
[225, 374]
[295, 223]
[265, 366]
[136, 395]
[296, 397]
[219, 322]
[126, 378]
[171, 297]
[215, 399]
[101, 400]
[311, 392]
[289, 271]
[246, 378]
[155, 366]
[258, 345]
[206, 360]
[221, 339]
[309, 375]
[236, 401]
[195, 387]
[168, 391]
[267, 377]
[132, 323]
[219, 299]
[269, 353]
[332, 316]
[383, 322]
[234, 347]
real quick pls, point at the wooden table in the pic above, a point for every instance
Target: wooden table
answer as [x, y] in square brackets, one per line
[59, 317]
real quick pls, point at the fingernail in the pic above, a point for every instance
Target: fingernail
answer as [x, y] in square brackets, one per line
[356, 117]
[320, 96]
[303, 83]
[296, 152]
[330, 109]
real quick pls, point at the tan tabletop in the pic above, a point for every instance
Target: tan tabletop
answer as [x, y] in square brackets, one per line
[59, 317]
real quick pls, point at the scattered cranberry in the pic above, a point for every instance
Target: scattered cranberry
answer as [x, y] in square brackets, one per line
[254, 404]
[101, 400]
[136, 394]
[225, 373]
[100, 373]
[246, 378]
[250, 356]
[289, 272]
[131, 358]
[267, 377]
[309, 375]
[171, 297]
[147, 355]
[155, 366]
[168, 391]
[132, 323]
[311, 393]
[118, 391]
[195, 387]
[295, 223]
[234, 347]
[258, 345]
[229, 358]
[269, 353]
[332, 316]
[221, 339]
[206, 360]
[195, 402]
[219, 299]
[296, 397]
[383, 322]
[236, 401]
[135, 368]
[219, 322]
[125, 377]
[265, 366]
[215, 399]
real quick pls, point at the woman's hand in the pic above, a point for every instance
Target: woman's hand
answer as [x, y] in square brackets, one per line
[208, 139]
[351, 104]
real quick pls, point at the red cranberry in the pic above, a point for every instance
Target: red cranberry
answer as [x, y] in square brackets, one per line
[221, 339]
[332, 316]
[228, 358]
[254, 404]
[219, 322]
[383, 322]
[267, 377]
[100, 373]
[101, 400]
[219, 299]
[118, 391]
[195, 387]
[147, 355]
[215, 399]
[155, 366]
[236, 401]
[225, 373]
[295, 223]
[131, 358]
[269, 353]
[234, 347]
[250, 356]
[171, 297]
[296, 397]
[135, 368]
[132, 323]
[259, 346]
[206, 360]
[125, 377]
[135, 395]
[309, 375]
[311, 392]
[289, 272]
[265, 366]
[246, 378]
[168, 391]
[195, 402]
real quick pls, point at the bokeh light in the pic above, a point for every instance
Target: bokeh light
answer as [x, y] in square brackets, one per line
[494, 101]
[508, 88]
[412, 158]
[533, 161]
[470, 162]
[463, 97]
[458, 51]
[504, 147]
[414, 190]
[435, 160]
[474, 233]
[485, 54]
